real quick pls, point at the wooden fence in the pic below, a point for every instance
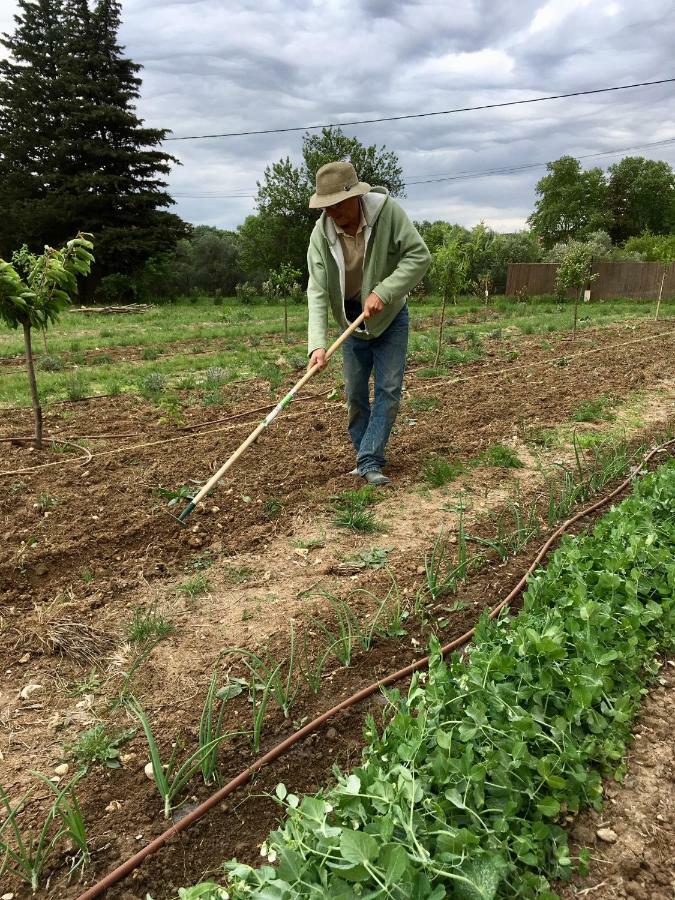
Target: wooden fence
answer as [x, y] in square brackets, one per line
[615, 279]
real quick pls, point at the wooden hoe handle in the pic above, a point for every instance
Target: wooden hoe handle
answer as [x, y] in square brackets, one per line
[253, 436]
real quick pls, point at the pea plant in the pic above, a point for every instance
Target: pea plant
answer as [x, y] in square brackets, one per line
[465, 790]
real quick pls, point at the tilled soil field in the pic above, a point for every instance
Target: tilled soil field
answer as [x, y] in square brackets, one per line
[89, 542]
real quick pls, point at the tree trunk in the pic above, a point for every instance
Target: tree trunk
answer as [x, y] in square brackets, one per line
[440, 328]
[576, 312]
[658, 302]
[37, 409]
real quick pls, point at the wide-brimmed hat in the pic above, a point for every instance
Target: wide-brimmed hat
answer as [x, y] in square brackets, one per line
[336, 182]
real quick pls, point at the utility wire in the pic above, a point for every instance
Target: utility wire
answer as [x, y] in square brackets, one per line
[510, 170]
[460, 176]
[441, 112]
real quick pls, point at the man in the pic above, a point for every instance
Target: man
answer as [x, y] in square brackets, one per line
[364, 256]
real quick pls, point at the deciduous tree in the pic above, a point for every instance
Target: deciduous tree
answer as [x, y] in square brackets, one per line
[570, 202]
[34, 291]
[641, 197]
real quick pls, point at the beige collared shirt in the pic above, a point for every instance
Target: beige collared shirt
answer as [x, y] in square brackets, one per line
[353, 250]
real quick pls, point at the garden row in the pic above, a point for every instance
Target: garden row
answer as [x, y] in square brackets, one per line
[270, 682]
[465, 792]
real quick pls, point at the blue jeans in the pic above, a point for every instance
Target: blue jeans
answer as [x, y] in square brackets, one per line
[370, 426]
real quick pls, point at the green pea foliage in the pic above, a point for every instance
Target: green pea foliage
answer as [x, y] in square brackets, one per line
[464, 792]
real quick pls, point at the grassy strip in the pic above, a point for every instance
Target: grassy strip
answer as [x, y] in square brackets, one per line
[465, 792]
[243, 340]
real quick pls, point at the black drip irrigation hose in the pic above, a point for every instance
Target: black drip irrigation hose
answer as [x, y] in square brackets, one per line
[244, 777]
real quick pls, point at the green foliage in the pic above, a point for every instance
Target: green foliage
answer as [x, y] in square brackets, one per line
[466, 788]
[246, 292]
[51, 363]
[147, 625]
[641, 197]
[442, 570]
[438, 470]
[194, 587]
[449, 268]
[211, 733]
[570, 202]
[72, 148]
[89, 685]
[46, 501]
[593, 410]
[172, 778]
[76, 386]
[652, 247]
[272, 507]
[423, 404]
[206, 262]
[26, 854]
[34, 290]
[352, 510]
[375, 558]
[574, 268]
[504, 457]
[636, 194]
[152, 385]
[97, 746]
[598, 243]
[284, 284]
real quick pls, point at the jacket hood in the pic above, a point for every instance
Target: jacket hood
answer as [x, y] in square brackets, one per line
[371, 203]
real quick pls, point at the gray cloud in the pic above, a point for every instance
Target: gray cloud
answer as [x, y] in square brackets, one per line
[211, 67]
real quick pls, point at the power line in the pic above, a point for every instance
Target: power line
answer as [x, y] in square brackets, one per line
[509, 170]
[459, 176]
[442, 112]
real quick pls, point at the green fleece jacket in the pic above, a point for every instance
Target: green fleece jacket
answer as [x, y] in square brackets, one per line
[395, 260]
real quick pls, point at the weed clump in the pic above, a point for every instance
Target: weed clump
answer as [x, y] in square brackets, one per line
[152, 385]
[438, 470]
[148, 624]
[502, 457]
[352, 510]
[51, 363]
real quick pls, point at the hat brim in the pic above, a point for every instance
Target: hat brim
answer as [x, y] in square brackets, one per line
[320, 201]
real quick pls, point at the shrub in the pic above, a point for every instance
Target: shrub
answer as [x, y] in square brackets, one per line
[246, 292]
[51, 363]
[153, 384]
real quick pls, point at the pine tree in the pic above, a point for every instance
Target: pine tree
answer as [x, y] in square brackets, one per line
[98, 167]
[29, 81]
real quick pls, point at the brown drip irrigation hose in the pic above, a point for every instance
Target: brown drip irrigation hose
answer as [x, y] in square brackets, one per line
[133, 862]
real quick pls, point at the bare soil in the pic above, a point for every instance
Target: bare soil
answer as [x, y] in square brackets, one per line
[632, 841]
[94, 542]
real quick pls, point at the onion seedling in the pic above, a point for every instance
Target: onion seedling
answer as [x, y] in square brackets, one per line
[171, 779]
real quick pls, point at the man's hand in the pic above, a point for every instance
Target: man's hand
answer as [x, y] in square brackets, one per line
[318, 357]
[373, 305]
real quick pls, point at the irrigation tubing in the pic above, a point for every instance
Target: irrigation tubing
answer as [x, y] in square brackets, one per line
[244, 777]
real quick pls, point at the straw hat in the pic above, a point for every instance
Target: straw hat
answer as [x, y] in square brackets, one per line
[336, 181]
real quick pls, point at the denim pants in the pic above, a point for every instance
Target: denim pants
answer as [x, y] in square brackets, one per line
[370, 425]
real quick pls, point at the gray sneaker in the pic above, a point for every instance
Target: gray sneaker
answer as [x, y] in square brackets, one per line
[353, 472]
[376, 478]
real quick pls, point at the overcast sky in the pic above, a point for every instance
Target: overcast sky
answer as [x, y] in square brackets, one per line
[213, 66]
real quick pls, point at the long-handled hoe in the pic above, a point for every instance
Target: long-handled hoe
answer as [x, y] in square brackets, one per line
[251, 439]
